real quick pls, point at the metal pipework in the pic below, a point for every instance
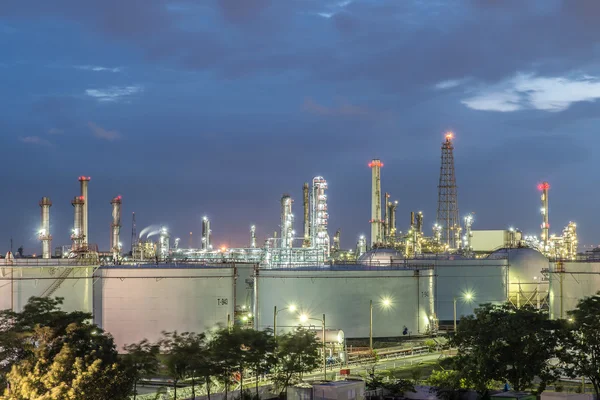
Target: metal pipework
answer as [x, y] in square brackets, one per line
[115, 242]
[287, 221]
[44, 234]
[84, 181]
[419, 222]
[376, 223]
[206, 234]
[253, 237]
[392, 206]
[319, 237]
[306, 242]
[544, 187]
[77, 234]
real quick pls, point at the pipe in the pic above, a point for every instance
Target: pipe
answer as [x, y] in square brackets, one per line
[44, 235]
[115, 242]
[386, 218]
[376, 223]
[84, 180]
[306, 242]
[77, 235]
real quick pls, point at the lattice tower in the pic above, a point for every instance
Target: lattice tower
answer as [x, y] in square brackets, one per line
[447, 211]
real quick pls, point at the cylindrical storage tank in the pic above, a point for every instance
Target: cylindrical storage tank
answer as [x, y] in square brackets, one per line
[331, 335]
[380, 257]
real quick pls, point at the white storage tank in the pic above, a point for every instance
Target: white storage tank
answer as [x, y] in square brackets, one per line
[571, 281]
[139, 302]
[402, 299]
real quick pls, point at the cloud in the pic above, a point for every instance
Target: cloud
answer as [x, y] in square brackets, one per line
[527, 91]
[343, 109]
[104, 134]
[449, 84]
[97, 68]
[113, 93]
[55, 131]
[35, 140]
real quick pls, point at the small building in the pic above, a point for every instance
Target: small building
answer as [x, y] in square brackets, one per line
[340, 390]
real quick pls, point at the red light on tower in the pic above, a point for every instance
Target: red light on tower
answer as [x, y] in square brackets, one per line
[375, 163]
[449, 136]
[544, 186]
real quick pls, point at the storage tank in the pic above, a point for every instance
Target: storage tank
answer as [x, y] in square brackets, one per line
[380, 257]
[343, 293]
[570, 282]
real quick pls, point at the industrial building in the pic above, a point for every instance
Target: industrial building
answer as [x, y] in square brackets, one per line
[392, 284]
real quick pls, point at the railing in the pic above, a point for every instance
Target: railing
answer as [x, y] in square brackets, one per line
[56, 284]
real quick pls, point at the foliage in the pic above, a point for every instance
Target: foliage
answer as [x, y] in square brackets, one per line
[297, 353]
[16, 329]
[501, 343]
[81, 364]
[447, 385]
[580, 340]
[395, 388]
[431, 344]
[183, 354]
[141, 360]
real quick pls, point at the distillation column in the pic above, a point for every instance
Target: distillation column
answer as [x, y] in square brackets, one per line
[391, 216]
[376, 223]
[45, 236]
[287, 222]
[84, 180]
[306, 242]
[77, 235]
[319, 237]
[115, 241]
[253, 237]
[206, 246]
[544, 187]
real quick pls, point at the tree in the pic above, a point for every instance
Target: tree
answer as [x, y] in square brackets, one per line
[447, 384]
[17, 341]
[141, 360]
[81, 364]
[260, 352]
[182, 352]
[502, 343]
[297, 353]
[580, 341]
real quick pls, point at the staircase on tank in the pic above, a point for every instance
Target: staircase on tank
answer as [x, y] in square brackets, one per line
[56, 284]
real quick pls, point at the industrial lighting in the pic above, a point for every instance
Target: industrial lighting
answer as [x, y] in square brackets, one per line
[303, 317]
[292, 307]
[386, 302]
[468, 296]
[249, 315]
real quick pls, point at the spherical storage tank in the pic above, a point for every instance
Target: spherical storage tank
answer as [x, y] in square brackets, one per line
[525, 264]
[379, 257]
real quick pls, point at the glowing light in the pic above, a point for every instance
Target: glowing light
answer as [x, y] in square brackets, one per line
[468, 296]
[292, 307]
[375, 163]
[386, 302]
[449, 135]
[249, 315]
[303, 317]
[544, 186]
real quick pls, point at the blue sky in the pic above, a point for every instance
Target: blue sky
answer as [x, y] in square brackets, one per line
[218, 107]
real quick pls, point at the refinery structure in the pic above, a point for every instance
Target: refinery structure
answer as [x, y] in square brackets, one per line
[429, 279]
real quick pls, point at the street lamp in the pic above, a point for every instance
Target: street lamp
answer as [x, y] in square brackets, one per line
[467, 296]
[385, 303]
[304, 318]
[291, 308]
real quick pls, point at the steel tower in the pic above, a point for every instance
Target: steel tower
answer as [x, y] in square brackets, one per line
[447, 212]
[376, 222]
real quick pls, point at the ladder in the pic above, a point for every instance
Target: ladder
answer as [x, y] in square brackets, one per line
[56, 284]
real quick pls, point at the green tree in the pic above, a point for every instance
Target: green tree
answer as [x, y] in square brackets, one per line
[182, 352]
[297, 353]
[81, 364]
[580, 341]
[17, 329]
[502, 343]
[260, 352]
[142, 361]
[447, 384]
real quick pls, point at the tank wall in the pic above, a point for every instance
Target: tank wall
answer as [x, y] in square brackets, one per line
[579, 280]
[344, 297]
[21, 283]
[139, 303]
[485, 281]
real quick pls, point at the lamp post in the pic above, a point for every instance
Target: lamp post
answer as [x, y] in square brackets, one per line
[291, 308]
[385, 303]
[304, 318]
[468, 296]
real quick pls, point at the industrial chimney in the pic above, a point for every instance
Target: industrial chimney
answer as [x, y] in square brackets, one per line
[376, 223]
[115, 242]
[206, 246]
[44, 235]
[77, 235]
[306, 241]
[84, 180]
[544, 187]
[253, 237]
[287, 221]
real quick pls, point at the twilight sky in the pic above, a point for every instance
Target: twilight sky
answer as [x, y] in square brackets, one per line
[218, 107]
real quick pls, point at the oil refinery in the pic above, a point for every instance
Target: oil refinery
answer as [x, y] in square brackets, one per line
[421, 282]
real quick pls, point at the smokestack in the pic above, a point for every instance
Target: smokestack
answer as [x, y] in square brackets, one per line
[420, 222]
[206, 234]
[115, 241]
[544, 187]
[306, 242]
[376, 223]
[77, 235]
[386, 218]
[336, 240]
[253, 237]
[392, 218]
[84, 180]
[319, 220]
[45, 236]
[412, 219]
[287, 221]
